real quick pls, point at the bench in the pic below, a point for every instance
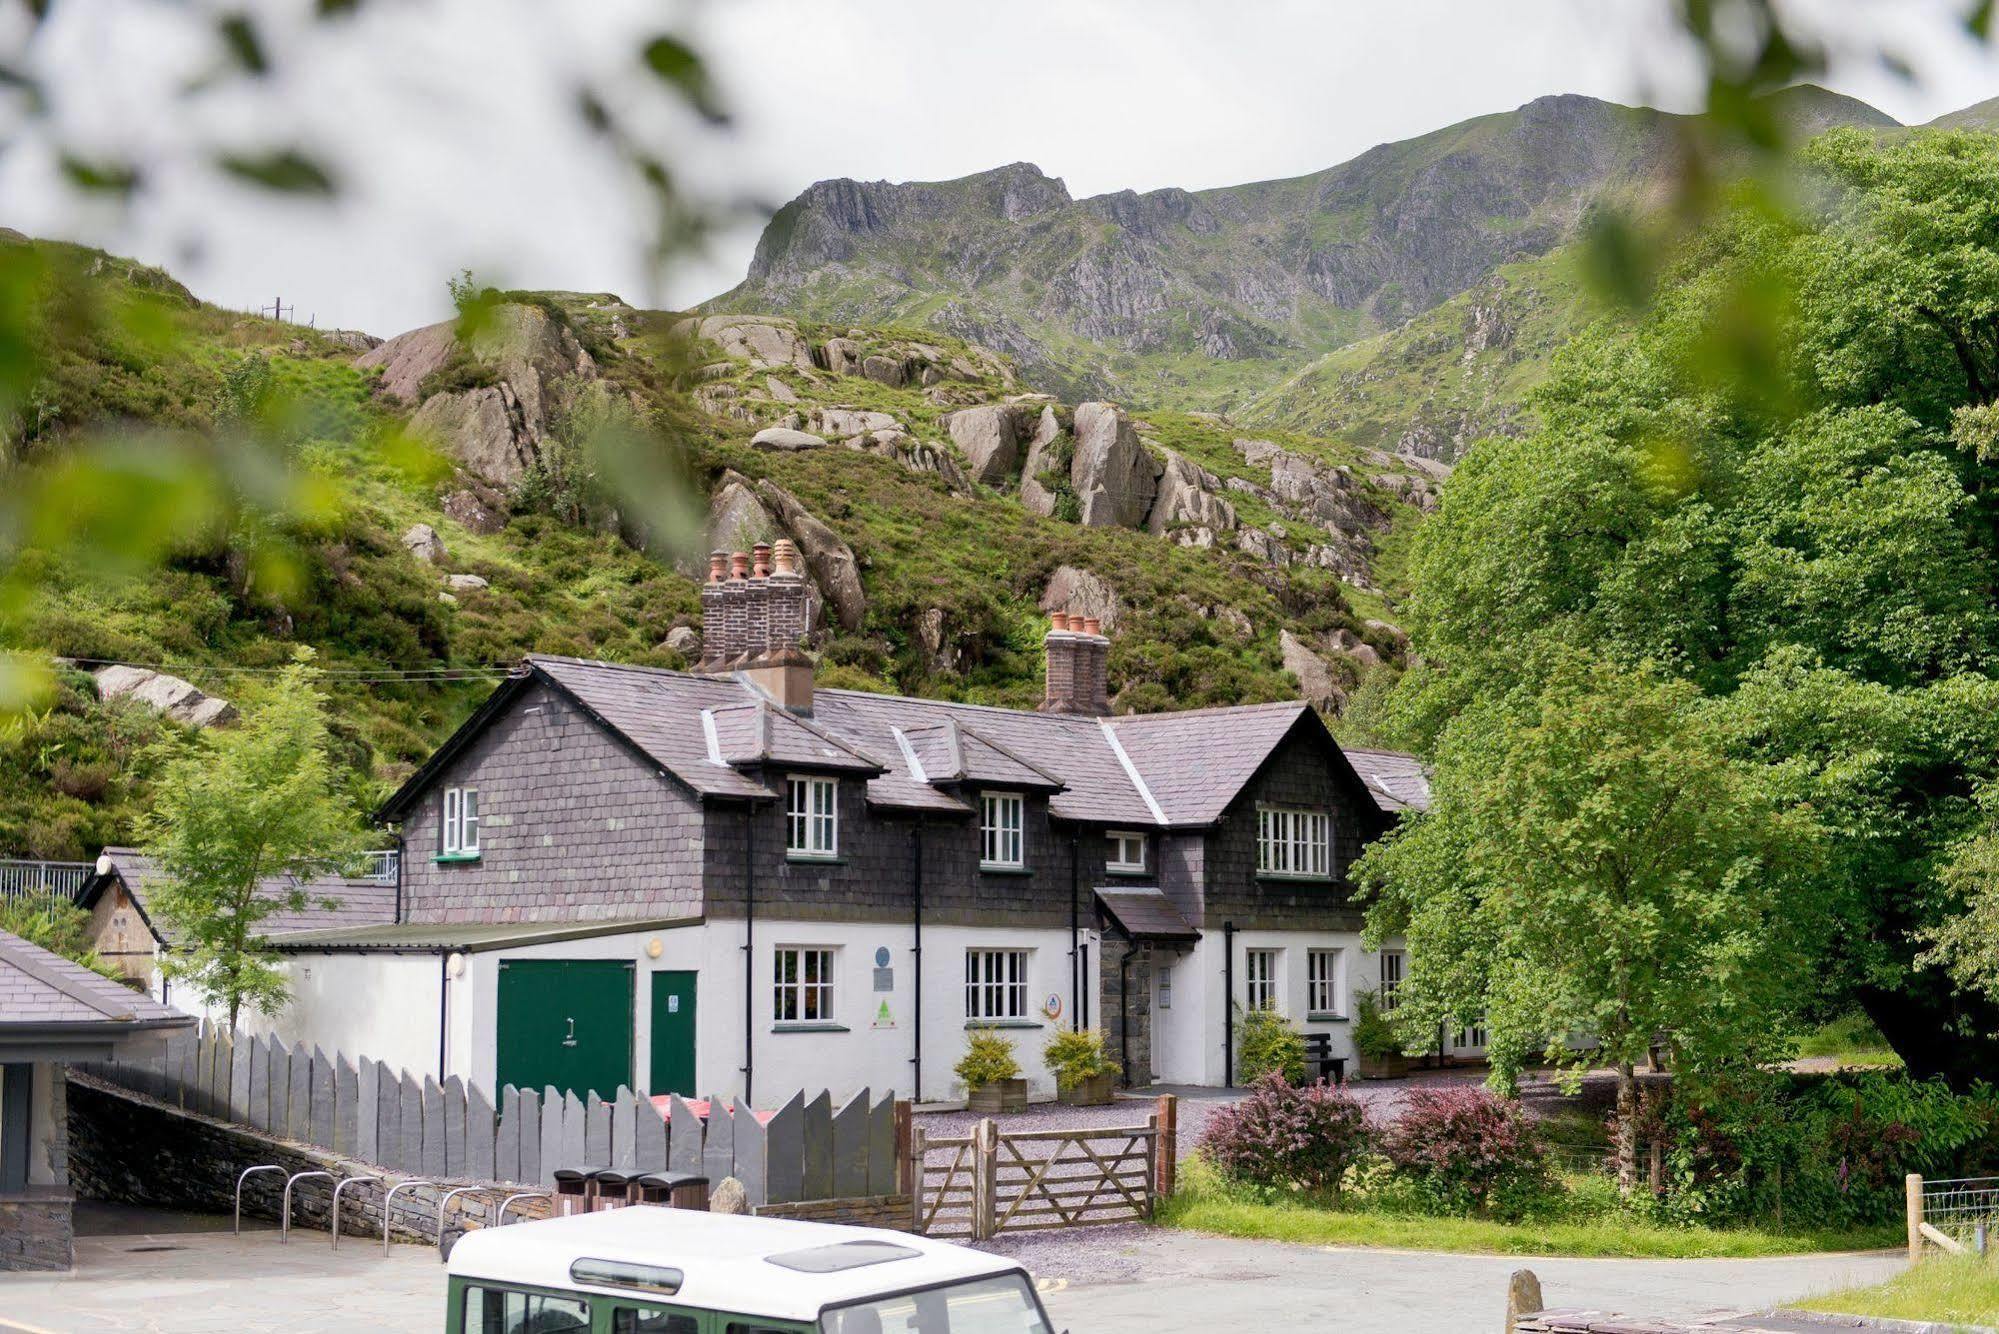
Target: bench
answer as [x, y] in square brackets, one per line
[1319, 1059]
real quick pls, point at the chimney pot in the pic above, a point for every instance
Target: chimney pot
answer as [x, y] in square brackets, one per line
[1060, 620]
[1092, 625]
[718, 566]
[760, 558]
[785, 554]
[739, 565]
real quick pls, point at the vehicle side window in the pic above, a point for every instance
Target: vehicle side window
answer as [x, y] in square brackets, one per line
[743, 1327]
[506, 1311]
[625, 1320]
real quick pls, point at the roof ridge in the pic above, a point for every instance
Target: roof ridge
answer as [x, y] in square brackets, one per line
[27, 959]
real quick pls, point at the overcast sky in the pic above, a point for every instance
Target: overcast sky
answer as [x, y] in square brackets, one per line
[450, 121]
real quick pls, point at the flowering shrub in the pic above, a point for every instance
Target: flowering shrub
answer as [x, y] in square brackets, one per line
[1284, 1137]
[1467, 1150]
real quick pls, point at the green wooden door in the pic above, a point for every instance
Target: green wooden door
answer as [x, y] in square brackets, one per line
[673, 1033]
[565, 1023]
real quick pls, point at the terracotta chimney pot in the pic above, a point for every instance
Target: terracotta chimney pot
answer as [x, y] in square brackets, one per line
[739, 565]
[1060, 621]
[760, 558]
[718, 566]
[1092, 625]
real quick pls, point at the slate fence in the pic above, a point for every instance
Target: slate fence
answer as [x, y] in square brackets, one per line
[804, 1151]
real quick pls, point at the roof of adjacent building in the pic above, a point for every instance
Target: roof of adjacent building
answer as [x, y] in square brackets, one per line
[40, 990]
[711, 733]
[1400, 782]
[331, 900]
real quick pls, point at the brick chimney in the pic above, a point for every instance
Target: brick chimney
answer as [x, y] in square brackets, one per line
[755, 613]
[1078, 677]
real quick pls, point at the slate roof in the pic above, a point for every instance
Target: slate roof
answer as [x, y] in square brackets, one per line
[1152, 770]
[1143, 912]
[361, 902]
[42, 990]
[1399, 782]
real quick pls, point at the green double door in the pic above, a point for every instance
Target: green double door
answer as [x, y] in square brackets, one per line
[565, 1023]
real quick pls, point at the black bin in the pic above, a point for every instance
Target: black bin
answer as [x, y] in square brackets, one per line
[680, 1190]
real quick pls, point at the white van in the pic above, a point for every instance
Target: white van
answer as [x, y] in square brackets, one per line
[652, 1270]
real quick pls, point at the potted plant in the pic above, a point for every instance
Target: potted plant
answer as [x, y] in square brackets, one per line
[1083, 1070]
[1376, 1041]
[992, 1075]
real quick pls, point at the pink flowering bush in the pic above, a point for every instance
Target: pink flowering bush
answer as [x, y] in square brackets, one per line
[1467, 1150]
[1285, 1137]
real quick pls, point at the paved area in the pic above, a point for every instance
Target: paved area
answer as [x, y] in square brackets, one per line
[160, 1275]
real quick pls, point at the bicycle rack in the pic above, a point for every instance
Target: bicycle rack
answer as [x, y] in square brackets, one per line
[443, 1205]
[345, 1182]
[390, 1198]
[500, 1219]
[285, 1226]
[247, 1173]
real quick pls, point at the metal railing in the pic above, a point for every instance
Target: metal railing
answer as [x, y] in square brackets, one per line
[20, 879]
[379, 865]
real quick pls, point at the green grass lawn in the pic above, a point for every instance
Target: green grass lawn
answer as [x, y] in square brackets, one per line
[1951, 1288]
[1851, 1040]
[1204, 1203]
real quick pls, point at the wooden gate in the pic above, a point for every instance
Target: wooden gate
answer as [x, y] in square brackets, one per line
[980, 1185]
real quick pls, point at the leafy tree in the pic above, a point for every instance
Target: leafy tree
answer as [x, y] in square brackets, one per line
[234, 812]
[1594, 863]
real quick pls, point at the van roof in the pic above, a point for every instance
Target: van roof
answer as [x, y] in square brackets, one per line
[725, 1259]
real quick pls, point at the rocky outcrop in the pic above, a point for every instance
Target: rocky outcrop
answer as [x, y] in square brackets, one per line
[916, 456]
[1081, 592]
[179, 700]
[1044, 457]
[940, 654]
[1115, 476]
[422, 541]
[409, 358]
[1315, 675]
[842, 423]
[764, 341]
[989, 438]
[787, 440]
[843, 356]
[737, 518]
[535, 367]
[829, 560]
[1188, 497]
[477, 509]
[684, 640]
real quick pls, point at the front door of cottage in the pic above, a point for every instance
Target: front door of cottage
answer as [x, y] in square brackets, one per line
[566, 1024]
[673, 1033]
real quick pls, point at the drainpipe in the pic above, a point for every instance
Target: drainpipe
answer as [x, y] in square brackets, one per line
[1124, 1010]
[916, 954]
[749, 946]
[443, 1007]
[401, 852]
[1228, 1004]
[1075, 931]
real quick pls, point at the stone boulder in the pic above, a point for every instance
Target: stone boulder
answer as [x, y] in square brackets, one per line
[737, 518]
[844, 423]
[474, 511]
[537, 368]
[464, 583]
[765, 341]
[1115, 476]
[409, 357]
[1356, 648]
[423, 542]
[182, 701]
[1266, 547]
[940, 653]
[1042, 457]
[891, 371]
[843, 356]
[779, 390]
[1314, 673]
[1187, 498]
[989, 438]
[1081, 591]
[916, 456]
[684, 640]
[787, 440]
[830, 561]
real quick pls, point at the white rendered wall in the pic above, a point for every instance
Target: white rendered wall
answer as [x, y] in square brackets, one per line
[1194, 1052]
[382, 1006]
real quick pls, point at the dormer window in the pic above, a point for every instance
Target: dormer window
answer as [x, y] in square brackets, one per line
[812, 818]
[1293, 842]
[1127, 852]
[1000, 825]
[460, 825]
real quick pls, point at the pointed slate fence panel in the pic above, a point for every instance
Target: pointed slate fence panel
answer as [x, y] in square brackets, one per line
[784, 1164]
[346, 1107]
[298, 1099]
[183, 1050]
[881, 1148]
[651, 1137]
[850, 1147]
[409, 1124]
[551, 1135]
[435, 1163]
[259, 1105]
[530, 1171]
[718, 1146]
[625, 1131]
[750, 1154]
[481, 1160]
[597, 1131]
[507, 1142]
[819, 1147]
[683, 1142]
[454, 1127]
[222, 1063]
[242, 1080]
[575, 1147]
[368, 1112]
[278, 1087]
[324, 1094]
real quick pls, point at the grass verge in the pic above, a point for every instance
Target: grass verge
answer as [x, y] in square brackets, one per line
[1950, 1288]
[1205, 1203]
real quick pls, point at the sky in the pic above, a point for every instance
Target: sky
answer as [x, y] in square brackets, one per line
[450, 124]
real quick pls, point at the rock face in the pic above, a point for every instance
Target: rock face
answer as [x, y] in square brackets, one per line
[424, 543]
[1188, 497]
[916, 456]
[1042, 457]
[408, 357]
[840, 423]
[1115, 476]
[764, 341]
[1315, 676]
[496, 430]
[737, 518]
[830, 561]
[179, 700]
[476, 512]
[989, 438]
[1078, 591]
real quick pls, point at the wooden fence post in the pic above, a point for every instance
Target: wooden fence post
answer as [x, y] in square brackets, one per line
[1913, 1184]
[1167, 1147]
[1658, 1166]
[912, 1166]
[985, 1179]
[903, 1127]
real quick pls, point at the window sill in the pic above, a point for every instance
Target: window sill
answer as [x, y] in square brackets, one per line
[993, 868]
[1126, 870]
[809, 1027]
[443, 858]
[815, 858]
[1326, 1017]
[1004, 1023]
[1296, 878]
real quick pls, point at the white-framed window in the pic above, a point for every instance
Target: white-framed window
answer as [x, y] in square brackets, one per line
[1323, 991]
[1291, 841]
[812, 817]
[1165, 986]
[802, 978]
[995, 984]
[1127, 851]
[1000, 815]
[1259, 979]
[1473, 1037]
[461, 822]
[1391, 979]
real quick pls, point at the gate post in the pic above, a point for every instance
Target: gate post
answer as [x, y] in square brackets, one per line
[903, 1127]
[1913, 1184]
[985, 1177]
[912, 1168]
[1166, 1148]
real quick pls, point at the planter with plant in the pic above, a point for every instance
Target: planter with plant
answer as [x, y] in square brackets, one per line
[1267, 1045]
[1377, 1041]
[992, 1075]
[1084, 1072]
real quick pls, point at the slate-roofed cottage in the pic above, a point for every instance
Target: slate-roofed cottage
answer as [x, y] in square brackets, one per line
[729, 882]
